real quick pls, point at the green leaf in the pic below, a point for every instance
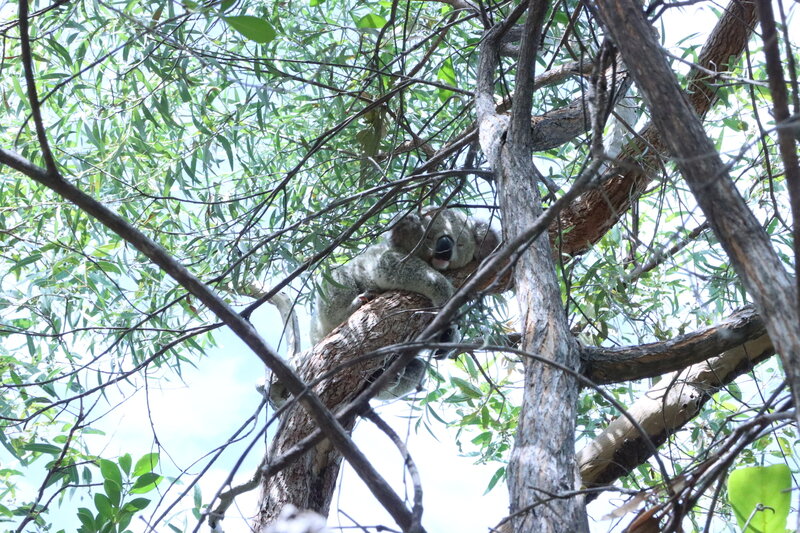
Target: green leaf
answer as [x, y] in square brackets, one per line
[254, 28]
[125, 462]
[466, 387]
[146, 483]
[110, 471]
[41, 447]
[447, 73]
[768, 486]
[314, 3]
[104, 507]
[500, 474]
[146, 464]
[113, 491]
[87, 518]
[137, 504]
[370, 21]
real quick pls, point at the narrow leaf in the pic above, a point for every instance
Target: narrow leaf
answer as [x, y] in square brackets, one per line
[254, 28]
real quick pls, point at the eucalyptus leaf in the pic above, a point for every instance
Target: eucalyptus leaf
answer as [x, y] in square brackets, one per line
[254, 28]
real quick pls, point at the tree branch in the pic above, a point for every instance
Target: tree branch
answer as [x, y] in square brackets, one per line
[30, 81]
[663, 410]
[594, 213]
[615, 365]
[786, 130]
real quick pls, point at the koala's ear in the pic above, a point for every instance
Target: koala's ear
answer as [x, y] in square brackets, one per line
[486, 240]
[407, 232]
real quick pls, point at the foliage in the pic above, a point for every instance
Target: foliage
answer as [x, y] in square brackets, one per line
[249, 138]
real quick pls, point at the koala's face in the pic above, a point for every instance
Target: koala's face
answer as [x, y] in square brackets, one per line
[450, 242]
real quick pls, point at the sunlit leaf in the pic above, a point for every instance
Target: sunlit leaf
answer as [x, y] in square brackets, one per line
[371, 21]
[750, 489]
[146, 464]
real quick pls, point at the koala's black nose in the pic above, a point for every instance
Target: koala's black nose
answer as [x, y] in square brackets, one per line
[444, 248]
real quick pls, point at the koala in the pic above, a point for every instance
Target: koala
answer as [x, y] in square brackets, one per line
[419, 247]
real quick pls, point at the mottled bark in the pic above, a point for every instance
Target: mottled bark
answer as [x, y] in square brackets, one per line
[393, 317]
[543, 460]
[542, 463]
[309, 482]
[744, 240]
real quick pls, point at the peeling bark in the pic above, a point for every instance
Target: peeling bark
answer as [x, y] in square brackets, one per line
[663, 410]
[309, 482]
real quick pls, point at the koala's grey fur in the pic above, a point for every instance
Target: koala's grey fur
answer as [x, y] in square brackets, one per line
[417, 249]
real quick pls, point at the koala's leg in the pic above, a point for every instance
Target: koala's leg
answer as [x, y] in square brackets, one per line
[408, 380]
[450, 335]
[335, 303]
[413, 274]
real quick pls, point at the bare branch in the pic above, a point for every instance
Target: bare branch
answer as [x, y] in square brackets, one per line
[615, 365]
[30, 81]
[787, 128]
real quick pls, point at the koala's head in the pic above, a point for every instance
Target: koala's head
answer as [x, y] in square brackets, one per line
[449, 239]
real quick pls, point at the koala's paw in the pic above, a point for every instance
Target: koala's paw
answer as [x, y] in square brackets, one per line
[439, 292]
[486, 240]
[275, 393]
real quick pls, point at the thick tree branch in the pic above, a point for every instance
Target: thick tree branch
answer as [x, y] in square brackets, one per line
[308, 482]
[615, 365]
[541, 460]
[786, 130]
[663, 410]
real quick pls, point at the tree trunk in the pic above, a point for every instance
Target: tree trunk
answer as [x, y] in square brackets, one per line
[542, 463]
[309, 481]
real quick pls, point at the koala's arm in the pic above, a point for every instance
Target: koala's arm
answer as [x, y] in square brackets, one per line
[395, 270]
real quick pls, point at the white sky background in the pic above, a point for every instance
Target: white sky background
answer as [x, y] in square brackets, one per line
[189, 420]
